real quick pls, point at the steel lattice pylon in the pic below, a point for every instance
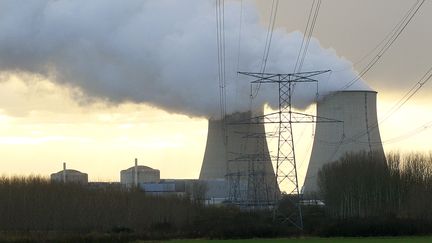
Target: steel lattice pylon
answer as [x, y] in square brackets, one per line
[285, 166]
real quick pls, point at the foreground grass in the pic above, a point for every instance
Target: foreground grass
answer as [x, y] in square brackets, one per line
[320, 240]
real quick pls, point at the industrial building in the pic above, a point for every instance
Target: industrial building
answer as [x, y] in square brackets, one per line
[191, 188]
[138, 174]
[357, 132]
[69, 176]
[237, 157]
[165, 187]
[148, 180]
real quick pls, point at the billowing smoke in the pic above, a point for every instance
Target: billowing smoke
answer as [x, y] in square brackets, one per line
[162, 53]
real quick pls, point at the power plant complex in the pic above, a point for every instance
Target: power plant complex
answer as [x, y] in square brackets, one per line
[237, 167]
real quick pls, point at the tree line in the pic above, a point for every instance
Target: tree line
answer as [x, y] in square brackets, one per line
[371, 190]
[364, 194]
[31, 205]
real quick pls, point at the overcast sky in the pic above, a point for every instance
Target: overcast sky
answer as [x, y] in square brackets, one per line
[353, 28]
[44, 122]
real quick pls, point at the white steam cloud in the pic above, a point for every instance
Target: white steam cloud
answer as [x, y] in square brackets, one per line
[159, 52]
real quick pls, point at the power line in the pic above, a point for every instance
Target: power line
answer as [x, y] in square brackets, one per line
[413, 132]
[269, 36]
[220, 39]
[239, 47]
[406, 135]
[307, 35]
[273, 14]
[411, 92]
[386, 38]
[398, 31]
[390, 39]
[304, 36]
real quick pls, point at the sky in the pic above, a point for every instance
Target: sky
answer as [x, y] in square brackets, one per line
[50, 114]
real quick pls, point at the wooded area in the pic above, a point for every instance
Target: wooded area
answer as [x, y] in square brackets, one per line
[367, 185]
[34, 205]
[369, 193]
[364, 194]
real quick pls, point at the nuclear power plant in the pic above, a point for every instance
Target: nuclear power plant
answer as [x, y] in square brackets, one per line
[238, 154]
[237, 167]
[357, 132]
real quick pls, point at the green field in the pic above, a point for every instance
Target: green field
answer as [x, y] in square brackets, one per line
[319, 240]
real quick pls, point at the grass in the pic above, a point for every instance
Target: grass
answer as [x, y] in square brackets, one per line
[320, 240]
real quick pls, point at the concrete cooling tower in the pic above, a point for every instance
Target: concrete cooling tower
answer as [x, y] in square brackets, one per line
[238, 154]
[358, 132]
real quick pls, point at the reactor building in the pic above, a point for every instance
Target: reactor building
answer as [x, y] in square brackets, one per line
[357, 132]
[69, 176]
[237, 158]
[138, 174]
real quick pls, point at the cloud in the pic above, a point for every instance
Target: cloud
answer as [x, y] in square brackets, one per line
[160, 53]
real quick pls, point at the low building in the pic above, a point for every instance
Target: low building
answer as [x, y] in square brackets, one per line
[194, 189]
[104, 185]
[212, 191]
[165, 187]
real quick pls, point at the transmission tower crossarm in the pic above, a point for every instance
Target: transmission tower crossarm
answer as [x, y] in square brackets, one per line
[284, 77]
[296, 117]
[247, 157]
[257, 135]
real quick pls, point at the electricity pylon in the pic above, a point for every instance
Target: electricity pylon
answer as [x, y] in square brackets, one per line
[286, 166]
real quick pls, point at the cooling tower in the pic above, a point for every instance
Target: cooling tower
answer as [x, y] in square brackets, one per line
[358, 132]
[238, 153]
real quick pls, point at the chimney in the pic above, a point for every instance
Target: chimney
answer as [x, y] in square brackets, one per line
[136, 173]
[64, 172]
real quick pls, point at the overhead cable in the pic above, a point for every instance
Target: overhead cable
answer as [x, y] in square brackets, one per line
[269, 36]
[220, 39]
[316, 4]
[400, 27]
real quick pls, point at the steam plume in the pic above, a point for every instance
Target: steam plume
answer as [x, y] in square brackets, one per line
[162, 53]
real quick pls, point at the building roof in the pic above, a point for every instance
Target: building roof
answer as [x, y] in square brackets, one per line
[355, 90]
[140, 167]
[69, 171]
